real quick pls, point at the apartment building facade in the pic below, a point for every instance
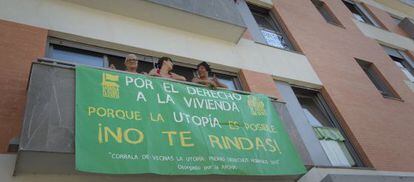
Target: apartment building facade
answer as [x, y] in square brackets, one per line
[341, 73]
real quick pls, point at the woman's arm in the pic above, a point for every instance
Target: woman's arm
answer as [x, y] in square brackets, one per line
[178, 77]
[218, 83]
[205, 82]
[200, 81]
[153, 72]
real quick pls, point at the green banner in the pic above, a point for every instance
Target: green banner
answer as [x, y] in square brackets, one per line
[134, 124]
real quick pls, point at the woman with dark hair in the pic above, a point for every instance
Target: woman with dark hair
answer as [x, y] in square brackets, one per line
[164, 69]
[202, 71]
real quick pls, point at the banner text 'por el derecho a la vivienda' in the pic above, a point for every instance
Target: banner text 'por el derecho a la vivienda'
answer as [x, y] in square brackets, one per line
[134, 124]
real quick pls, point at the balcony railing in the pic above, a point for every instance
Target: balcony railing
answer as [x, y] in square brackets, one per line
[47, 142]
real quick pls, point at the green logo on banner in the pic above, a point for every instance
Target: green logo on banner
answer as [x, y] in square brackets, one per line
[134, 124]
[110, 86]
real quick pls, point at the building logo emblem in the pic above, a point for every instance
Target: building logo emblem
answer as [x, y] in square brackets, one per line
[110, 86]
[257, 107]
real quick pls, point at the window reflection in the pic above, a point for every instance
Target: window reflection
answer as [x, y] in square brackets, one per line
[274, 39]
[229, 83]
[77, 56]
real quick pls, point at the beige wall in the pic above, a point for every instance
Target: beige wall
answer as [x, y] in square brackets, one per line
[399, 6]
[385, 5]
[387, 37]
[114, 31]
[391, 34]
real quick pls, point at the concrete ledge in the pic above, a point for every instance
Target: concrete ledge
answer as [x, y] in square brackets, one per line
[262, 3]
[354, 175]
[386, 37]
[214, 18]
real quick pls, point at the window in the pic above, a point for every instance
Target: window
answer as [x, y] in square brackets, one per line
[118, 62]
[230, 81]
[76, 56]
[270, 28]
[325, 12]
[338, 149]
[377, 79]
[403, 61]
[78, 53]
[360, 13]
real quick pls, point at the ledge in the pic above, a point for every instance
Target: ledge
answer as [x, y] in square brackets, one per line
[218, 19]
[385, 36]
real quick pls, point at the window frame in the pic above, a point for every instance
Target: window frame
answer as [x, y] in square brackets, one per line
[365, 14]
[405, 60]
[322, 6]
[279, 29]
[323, 105]
[92, 48]
[378, 79]
[235, 79]
[75, 50]
[106, 52]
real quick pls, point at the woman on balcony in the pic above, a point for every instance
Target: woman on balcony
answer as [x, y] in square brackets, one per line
[202, 77]
[164, 69]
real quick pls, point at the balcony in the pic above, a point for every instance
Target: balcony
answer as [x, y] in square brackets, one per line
[216, 18]
[47, 140]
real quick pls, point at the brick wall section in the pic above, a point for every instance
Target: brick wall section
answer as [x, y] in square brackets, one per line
[380, 128]
[19, 46]
[259, 83]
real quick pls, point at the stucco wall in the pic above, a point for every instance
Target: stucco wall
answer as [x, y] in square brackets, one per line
[104, 29]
